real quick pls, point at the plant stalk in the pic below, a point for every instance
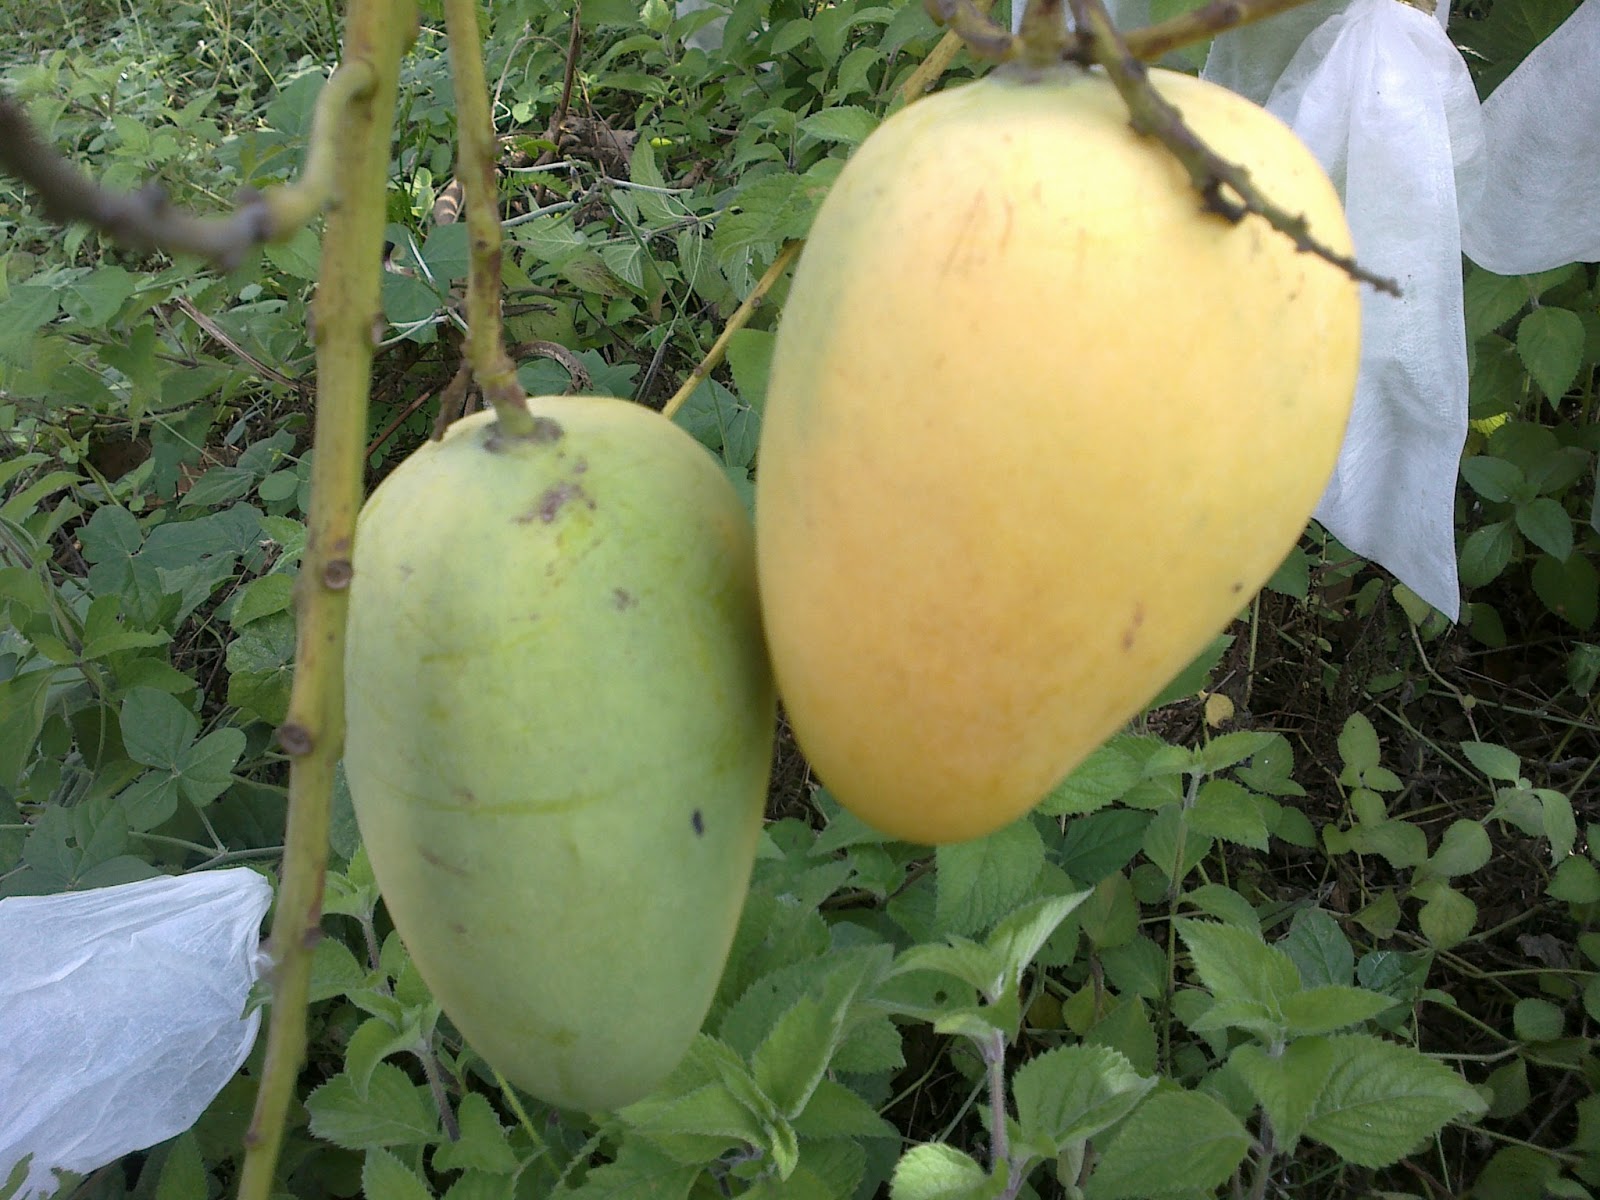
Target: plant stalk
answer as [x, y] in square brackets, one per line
[491, 365]
[348, 313]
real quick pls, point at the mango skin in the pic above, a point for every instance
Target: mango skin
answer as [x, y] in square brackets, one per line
[559, 732]
[1037, 427]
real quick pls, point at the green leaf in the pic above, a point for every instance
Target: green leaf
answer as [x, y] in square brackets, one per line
[385, 1177]
[1560, 825]
[1225, 810]
[848, 124]
[1496, 762]
[183, 1174]
[1074, 1092]
[261, 598]
[1230, 749]
[978, 965]
[1491, 300]
[1235, 964]
[1537, 1020]
[1493, 478]
[1319, 949]
[1381, 1099]
[1545, 523]
[935, 1171]
[1570, 589]
[1447, 917]
[1102, 778]
[1020, 936]
[1576, 881]
[1486, 553]
[206, 770]
[156, 729]
[22, 710]
[640, 1172]
[1175, 1142]
[395, 1111]
[1550, 343]
[834, 1111]
[1358, 746]
[1287, 1084]
[374, 1039]
[980, 881]
[1330, 1007]
[1464, 849]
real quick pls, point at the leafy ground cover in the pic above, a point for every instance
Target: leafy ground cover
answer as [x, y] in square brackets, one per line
[1322, 923]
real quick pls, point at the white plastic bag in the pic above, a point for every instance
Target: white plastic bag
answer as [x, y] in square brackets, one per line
[1540, 203]
[121, 1015]
[1386, 103]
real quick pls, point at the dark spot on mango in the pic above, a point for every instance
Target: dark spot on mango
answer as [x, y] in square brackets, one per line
[1237, 587]
[552, 500]
[1132, 631]
[622, 599]
[464, 797]
[457, 928]
[449, 868]
[699, 823]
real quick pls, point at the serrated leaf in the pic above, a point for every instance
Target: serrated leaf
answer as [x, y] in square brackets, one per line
[1576, 881]
[1358, 743]
[1491, 300]
[1230, 749]
[1545, 523]
[980, 881]
[374, 1039]
[935, 1171]
[395, 1111]
[1550, 344]
[385, 1177]
[482, 1144]
[1486, 553]
[1331, 1007]
[1464, 849]
[640, 1172]
[1286, 1085]
[1570, 589]
[1073, 1092]
[1536, 1020]
[1492, 478]
[1319, 949]
[1101, 779]
[1174, 1143]
[1496, 762]
[1235, 964]
[834, 1111]
[1381, 1099]
[1020, 936]
[847, 124]
[1223, 809]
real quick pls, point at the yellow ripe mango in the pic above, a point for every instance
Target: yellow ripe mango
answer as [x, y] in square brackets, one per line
[1037, 427]
[559, 732]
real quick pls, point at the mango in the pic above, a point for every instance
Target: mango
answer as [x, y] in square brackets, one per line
[559, 732]
[1037, 428]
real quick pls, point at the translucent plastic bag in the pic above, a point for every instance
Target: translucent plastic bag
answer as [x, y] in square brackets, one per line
[122, 1015]
[1540, 203]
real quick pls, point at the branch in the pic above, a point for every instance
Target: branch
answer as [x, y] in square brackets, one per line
[146, 219]
[1225, 188]
[741, 318]
[348, 309]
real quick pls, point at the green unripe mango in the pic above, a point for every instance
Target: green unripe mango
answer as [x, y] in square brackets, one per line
[559, 731]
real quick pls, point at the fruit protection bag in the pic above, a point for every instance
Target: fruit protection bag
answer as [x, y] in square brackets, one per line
[1385, 101]
[1540, 203]
[122, 1011]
